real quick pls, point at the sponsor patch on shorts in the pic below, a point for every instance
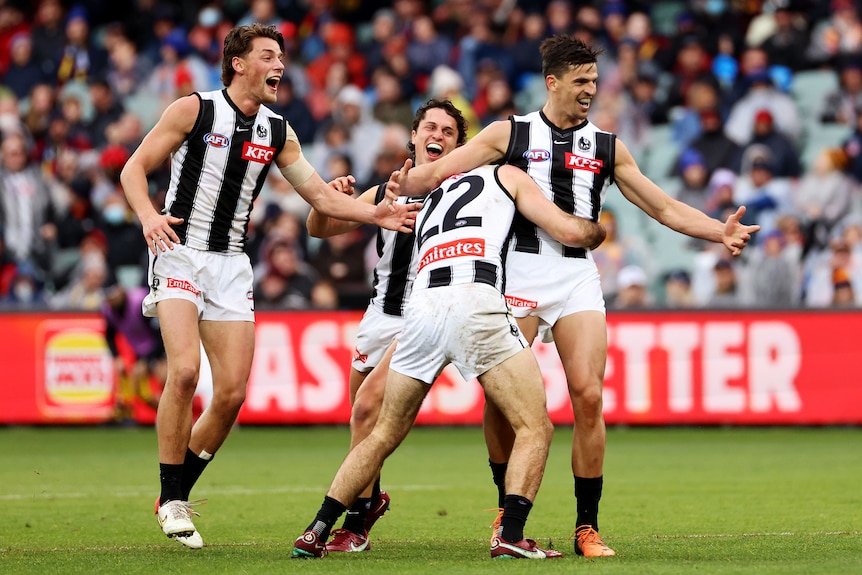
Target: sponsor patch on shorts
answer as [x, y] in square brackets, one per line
[519, 302]
[183, 285]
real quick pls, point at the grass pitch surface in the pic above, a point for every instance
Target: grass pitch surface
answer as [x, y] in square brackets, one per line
[676, 500]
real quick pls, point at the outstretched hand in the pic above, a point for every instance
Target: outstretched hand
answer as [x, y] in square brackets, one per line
[397, 181]
[737, 234]
[392, 215]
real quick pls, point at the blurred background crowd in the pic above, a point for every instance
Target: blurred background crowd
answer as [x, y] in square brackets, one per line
[723, 102]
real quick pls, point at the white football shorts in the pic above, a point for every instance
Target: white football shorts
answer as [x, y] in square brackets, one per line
[467, 325]
[220, 284]
[376, 331]
[550, 287]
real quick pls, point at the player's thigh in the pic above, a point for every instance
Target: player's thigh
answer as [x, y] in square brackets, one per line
[582, 343]
[516, 388]
[178, 321]
[230, 350]
[529, 326]
[401, 402]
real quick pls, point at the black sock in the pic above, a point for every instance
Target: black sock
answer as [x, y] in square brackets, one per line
[375, 491]
[498, 472]
[328, 514]
[170, 476]
[193, 467]
[515, 511]
[588, 492]
[355, 519]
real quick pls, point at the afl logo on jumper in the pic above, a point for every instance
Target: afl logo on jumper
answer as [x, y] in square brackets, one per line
[217, 140]
[257, 153]
[537, 155]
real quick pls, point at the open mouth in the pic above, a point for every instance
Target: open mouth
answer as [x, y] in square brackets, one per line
[434, 150]
[272, 83]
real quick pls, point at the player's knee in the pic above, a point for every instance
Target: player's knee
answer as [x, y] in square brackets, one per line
[229, 400]
[364, 413]
[588, 396]
[184, 376]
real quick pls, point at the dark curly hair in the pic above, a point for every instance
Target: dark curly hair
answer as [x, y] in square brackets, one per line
[448, 107]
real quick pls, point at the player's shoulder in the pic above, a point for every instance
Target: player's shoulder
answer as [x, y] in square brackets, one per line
[183, 112]
[269, 113]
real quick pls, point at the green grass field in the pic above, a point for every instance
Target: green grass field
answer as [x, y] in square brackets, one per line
[676, 500]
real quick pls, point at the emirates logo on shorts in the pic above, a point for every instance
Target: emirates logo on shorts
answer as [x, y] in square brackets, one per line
[518, 302]
[183, 285]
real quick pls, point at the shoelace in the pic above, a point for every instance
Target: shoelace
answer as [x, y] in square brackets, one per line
[590, 536]
[495, 526]
[498, 519]
[194, 502]
[179, 510]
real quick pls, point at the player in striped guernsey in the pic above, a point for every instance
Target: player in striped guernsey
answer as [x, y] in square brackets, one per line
[221, 144]
[554, 289]
[438, 128]
[457, 314]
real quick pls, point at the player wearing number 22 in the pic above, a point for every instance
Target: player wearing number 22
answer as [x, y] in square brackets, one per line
[457, 314]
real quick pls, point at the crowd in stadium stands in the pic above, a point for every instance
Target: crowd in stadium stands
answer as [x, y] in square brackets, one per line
[722, 102]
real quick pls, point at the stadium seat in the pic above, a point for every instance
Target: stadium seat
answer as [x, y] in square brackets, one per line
[532, 95]
[809, 90]
[660, 153]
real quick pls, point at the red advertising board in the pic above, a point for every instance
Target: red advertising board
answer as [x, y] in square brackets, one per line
[759, 368]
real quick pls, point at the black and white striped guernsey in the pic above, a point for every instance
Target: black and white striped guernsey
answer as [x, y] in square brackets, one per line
[463, 229]
[396, 270]
[572, 166]
[219, 170]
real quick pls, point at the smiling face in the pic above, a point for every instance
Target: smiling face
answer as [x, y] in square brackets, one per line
[435, 136]
[571, 94]
[262, 69]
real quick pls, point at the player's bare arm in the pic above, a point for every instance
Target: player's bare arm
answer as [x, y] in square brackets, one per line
[165, 137]
[566, 228]
[322, 226]
[323, 198]
[486, 147]
[678, 216]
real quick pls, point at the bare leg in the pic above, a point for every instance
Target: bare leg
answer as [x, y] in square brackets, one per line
[179, 325]
[366, 407]
[230, 349]
[401, 403]
[517, 389]
[582, 343]
[499, 436]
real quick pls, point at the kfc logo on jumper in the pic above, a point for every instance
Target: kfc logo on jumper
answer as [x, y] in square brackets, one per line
[577, 162]
[537, 155]
[474, 247]
[217, 140]
[183, 285]
[257, 153]
[518, 302]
